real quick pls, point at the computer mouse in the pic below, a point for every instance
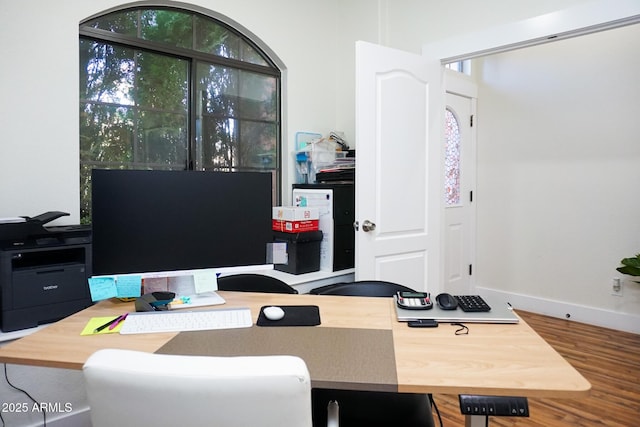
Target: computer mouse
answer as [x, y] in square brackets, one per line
[273, 313]
[447, 301]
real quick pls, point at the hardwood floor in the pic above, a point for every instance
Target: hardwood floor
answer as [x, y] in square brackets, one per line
[608, 359]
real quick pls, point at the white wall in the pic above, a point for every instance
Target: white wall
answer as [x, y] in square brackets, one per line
[314, 39]
[39, 116]
[558, 174]
[410, 24]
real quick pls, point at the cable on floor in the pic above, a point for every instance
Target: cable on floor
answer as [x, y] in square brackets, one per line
[6, 377]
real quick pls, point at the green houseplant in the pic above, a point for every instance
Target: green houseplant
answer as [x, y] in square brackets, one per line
[630, 266]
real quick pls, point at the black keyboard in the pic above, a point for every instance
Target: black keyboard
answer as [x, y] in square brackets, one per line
[472, 303]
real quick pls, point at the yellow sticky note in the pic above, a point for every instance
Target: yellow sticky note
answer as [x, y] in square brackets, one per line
[96, 322]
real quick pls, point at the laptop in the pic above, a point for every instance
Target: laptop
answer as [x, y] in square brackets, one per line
[501, 312]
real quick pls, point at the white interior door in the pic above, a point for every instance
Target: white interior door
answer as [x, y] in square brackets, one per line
[399, 105]
[459, 183]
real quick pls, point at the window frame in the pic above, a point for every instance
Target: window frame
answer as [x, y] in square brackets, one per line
[194, 57]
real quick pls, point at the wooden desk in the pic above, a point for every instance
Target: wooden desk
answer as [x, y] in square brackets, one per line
[491, 360]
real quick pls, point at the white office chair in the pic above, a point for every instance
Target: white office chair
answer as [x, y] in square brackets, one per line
[131, 388]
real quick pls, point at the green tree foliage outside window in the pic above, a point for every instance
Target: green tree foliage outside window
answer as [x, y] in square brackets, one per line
[174, 90]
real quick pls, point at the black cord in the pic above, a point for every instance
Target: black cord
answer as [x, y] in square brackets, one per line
[486, 421]
[462, 330]
[44, 413]
[433, 403]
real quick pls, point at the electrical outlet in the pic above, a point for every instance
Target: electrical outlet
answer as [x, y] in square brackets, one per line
[616, 287]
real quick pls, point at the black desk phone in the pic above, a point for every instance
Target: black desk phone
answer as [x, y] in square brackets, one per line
[414, 300]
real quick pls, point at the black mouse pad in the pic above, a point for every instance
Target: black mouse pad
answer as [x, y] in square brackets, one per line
[294, 315]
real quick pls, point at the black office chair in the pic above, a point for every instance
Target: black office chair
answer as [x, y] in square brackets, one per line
[371, 408]
[254, 283]
[362, 288]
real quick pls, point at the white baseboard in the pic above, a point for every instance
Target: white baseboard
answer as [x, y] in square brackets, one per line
[76, 418]
[579, 313]
[81, 418]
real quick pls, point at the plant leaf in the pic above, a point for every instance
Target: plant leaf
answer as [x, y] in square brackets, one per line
[629, 270]
[631, 262]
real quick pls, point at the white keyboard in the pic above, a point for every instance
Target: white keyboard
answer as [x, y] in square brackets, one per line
[178, 321]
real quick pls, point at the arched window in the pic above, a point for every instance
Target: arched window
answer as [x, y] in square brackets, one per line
[166, 88]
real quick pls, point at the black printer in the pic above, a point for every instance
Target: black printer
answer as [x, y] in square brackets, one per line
[43, 271]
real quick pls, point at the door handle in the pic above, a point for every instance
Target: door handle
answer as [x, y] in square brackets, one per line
[368, 226]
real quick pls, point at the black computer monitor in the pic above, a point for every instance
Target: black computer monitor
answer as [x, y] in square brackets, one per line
[150, 221]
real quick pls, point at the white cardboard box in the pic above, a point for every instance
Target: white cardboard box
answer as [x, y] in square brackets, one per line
[295, 213]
